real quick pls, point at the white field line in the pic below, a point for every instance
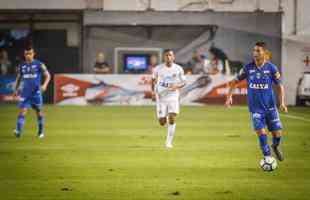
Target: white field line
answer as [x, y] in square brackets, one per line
[295, 117]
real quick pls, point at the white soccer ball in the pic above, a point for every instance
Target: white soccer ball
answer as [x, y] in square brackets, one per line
[268, 164]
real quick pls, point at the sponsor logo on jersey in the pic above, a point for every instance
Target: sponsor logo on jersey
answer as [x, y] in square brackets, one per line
[28, 76]
[163, 84]
[258, 86]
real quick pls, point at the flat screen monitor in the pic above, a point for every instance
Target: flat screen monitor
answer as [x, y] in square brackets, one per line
[136, 63]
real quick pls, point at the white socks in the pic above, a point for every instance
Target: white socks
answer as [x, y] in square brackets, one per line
[170, 134]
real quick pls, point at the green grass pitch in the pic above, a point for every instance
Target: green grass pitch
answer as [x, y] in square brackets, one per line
[118, 153]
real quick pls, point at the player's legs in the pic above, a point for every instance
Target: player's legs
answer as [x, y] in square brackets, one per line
[263, 142]
[37, 103]
[171, 129]
[168, 109]
[276, 139]
[275, 127]
[162, 113]
[172, 118]
[23, 105]
[162, 121]
[20, 121]
[259, 124]
[173, 110]
[161, 110]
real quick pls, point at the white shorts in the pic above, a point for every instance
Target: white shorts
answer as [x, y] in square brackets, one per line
[163, 108]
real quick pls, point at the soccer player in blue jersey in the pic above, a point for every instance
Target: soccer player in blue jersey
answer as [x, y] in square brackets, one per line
[29, 73]
[261, 75]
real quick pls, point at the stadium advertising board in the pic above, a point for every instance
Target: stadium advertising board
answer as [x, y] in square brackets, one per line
[7, 84]
[73, 89]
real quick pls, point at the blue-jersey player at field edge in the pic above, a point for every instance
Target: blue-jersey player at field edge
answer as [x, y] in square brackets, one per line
[261, 75]
[29, 73]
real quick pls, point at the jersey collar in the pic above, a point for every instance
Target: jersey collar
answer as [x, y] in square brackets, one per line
[261, 66]
[167, 66]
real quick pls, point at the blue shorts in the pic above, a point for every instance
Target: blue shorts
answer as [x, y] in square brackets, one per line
[270, 119]
[35, 101]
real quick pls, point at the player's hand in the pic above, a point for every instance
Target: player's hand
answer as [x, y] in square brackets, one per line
[283, 107]
[153, 96]
[43, 88]
[228, 101]
[15, 93]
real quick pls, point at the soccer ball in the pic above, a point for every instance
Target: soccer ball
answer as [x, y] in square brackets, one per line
[268, 164]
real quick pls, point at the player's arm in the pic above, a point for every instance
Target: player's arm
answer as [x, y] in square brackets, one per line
[154, 81]
[281, 97]
[232, 85]
[276, 78]
[17, 83]
[47, 77]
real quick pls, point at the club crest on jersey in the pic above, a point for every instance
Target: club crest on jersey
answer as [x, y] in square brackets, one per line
[258, 86]
[251, 71]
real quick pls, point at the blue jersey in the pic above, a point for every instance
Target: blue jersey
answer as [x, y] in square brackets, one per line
[31, 74]
[259, 83]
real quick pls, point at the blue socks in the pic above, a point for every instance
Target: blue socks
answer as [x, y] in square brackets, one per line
[20, 123]
[276, 141]
[41, 124]
[264, 145]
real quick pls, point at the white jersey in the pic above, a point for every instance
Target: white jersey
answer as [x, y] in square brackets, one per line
[166, 77]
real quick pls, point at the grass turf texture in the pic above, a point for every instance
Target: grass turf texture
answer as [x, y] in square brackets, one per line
[118, 153]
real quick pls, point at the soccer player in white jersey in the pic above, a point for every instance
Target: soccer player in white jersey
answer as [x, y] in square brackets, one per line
[168, 79]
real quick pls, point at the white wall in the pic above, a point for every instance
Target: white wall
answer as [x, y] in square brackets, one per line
[42, 4]
[293, 56]
[237, 5]
[303, 25]
[294, 46]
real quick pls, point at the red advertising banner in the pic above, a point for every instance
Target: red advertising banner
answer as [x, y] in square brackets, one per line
[73, 89]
